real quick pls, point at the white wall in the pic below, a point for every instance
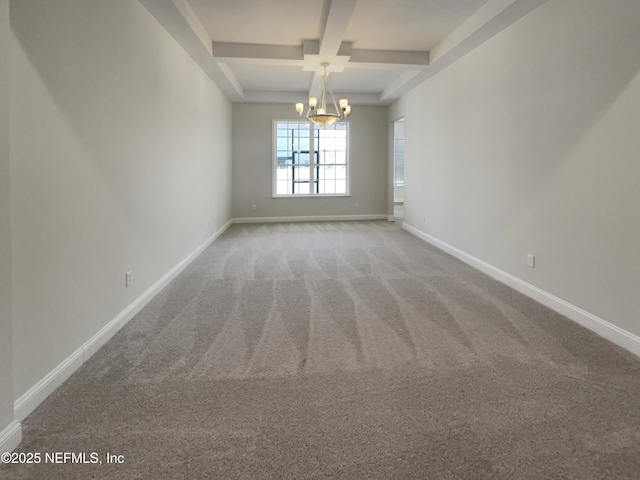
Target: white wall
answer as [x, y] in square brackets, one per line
[121, 160]
[252, 161]
[6, 359]
[529, 144]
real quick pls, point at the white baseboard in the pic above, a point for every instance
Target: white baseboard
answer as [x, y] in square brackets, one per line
[30, 400]
[605, 329]
[316, 218]
[10, 437]
[33, 397]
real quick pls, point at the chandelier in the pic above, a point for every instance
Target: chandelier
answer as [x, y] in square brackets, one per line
[318, 113]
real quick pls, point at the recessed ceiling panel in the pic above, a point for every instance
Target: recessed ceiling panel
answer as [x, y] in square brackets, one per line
[272, 78]
[273, 22]
[406, 24]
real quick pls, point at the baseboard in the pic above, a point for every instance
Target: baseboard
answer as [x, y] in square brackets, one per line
[33, 397]
[10, 437]
[605, 329]
[316, 218]
[30, 400]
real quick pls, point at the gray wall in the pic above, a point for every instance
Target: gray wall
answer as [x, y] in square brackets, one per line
[6, 360]
[252, 161]
[121, 160]
[529, 144]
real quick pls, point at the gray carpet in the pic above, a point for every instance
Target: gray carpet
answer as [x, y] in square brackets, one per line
[343, 350]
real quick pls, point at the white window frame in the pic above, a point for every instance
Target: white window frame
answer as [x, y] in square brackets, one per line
[312, 163]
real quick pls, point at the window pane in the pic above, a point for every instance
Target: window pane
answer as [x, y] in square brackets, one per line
[327, 172]
[327, 134]
[281, 188]
[328, 157]
[301, 173]
[301, 158]
[282, 144]
[281, 173]
[327, 145]
[302, 188]
[327, 183]
[283, 157]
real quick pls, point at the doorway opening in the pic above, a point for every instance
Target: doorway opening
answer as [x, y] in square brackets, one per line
[398, 170]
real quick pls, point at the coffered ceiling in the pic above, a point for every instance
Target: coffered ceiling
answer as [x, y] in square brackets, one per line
[272, 50]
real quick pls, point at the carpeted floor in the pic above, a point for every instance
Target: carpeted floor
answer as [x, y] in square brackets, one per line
[346, 350]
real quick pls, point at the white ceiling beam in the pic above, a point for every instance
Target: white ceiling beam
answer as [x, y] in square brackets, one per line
[489, 20]
[177, 18]
[295, 97]
[194, 22]
[231, 78]
[261, 96]
[360, 98]
[173, 19]
[251, 51]
[391, 58]
[338, 17]
[398, 83]
[307, 56]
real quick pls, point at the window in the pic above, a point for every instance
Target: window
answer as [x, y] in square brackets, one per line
[398, 157]
[310, 160]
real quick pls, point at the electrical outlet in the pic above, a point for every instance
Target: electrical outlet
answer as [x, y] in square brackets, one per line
[253, 207]
[531, 261]
[127, 279]
[355, 204]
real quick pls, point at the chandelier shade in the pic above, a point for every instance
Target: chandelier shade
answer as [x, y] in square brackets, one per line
[318, 112]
